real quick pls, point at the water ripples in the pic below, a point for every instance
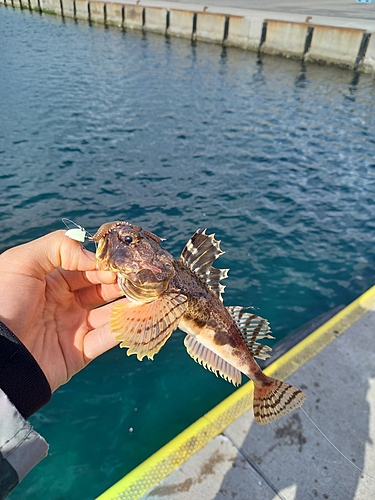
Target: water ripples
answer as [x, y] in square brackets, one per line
[276, 158]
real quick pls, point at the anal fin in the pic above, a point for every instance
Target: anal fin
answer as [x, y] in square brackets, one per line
[211, 361]
[145, 327]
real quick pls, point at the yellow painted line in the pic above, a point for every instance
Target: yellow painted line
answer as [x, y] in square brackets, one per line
[148, 474]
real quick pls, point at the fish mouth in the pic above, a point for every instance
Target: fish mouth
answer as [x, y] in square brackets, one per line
[146, 275]
[134, 272]
[143, 285]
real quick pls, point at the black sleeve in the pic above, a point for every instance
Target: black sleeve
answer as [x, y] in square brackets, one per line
[21, 378]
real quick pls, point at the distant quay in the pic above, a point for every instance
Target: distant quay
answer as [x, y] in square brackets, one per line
[347, 42]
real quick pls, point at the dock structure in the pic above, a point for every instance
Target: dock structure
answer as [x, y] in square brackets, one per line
[341, 33]
[225, 455]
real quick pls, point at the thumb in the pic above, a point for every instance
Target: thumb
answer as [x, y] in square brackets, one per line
[41, 256]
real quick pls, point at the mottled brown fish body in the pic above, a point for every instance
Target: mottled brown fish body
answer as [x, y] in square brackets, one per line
[224, 339]
[208, 320]
[166, 293]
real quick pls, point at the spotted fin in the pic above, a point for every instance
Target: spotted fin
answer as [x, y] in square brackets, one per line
[252, 328]
[211, 361]
[199, 254]
[274, 400]
[145, 328]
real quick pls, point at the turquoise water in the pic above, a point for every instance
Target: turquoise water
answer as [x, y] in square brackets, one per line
[276, 158]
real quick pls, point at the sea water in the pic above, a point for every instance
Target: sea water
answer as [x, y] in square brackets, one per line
[276, 158]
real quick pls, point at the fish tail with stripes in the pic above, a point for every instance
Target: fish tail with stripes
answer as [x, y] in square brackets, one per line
[273, 399]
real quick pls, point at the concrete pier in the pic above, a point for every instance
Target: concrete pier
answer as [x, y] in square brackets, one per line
[133, 16]
[342, 33]
[50, 6]
[286, 37]
[114, 14]
[156, 20]
[81, 9]
[34, 5]
[210, 27]
[181, 23]
[344, 45]
[97, 12]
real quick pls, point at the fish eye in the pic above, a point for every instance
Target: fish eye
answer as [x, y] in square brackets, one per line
[126, 236]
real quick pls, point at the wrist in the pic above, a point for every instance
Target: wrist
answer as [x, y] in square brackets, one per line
[21, 378]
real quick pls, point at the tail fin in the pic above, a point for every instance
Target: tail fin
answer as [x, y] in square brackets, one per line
[274, 400]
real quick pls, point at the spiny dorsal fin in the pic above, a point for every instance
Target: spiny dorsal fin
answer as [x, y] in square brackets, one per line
[211, 361]
[145, 328]
[199, 254]
[252, 328]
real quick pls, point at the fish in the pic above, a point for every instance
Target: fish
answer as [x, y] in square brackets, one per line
[166, 293]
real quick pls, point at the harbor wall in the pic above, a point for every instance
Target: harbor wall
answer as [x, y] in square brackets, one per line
[314, 39]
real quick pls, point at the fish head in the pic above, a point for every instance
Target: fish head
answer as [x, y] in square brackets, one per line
[143, 267]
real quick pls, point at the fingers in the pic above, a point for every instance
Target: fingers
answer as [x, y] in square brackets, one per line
[100, 339]
[39, 257]
[97, 295]
[92, 288]
[82, 279]
[101, 316]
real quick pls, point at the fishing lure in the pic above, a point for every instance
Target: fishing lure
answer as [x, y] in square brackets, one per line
[78, 232]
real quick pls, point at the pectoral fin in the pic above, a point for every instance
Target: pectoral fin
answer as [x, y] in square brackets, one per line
[145, 328]
[211, 361]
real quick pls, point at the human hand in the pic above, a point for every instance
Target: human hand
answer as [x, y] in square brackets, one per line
[50, 296]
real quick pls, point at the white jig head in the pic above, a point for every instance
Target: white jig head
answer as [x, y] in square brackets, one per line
[77, 233]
